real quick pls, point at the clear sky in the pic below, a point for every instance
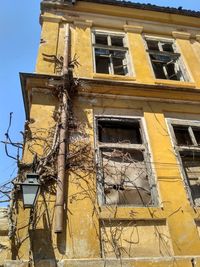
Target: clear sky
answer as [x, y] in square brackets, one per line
[19, 39]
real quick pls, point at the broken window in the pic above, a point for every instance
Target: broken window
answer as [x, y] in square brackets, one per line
[191, 165]
[110, 53]
[124, 176]
[166, 61]
[186, 137]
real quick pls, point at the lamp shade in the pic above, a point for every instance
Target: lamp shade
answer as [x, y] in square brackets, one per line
[30, 189]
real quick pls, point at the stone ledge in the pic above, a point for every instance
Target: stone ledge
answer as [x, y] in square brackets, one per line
[13, 263]
[181, 261]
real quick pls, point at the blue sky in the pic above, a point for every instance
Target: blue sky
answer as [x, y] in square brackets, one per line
[20, 34]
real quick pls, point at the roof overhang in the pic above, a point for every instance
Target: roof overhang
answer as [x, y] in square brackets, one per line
[125, 9]
[150, 7]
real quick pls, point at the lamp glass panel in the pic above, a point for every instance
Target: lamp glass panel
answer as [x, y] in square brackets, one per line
[29, 194]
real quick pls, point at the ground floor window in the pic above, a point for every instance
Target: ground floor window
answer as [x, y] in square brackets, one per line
[124, 173]
[186, 140]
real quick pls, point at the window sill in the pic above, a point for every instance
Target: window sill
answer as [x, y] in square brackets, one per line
[131, 213]
[175, 83]
[113, 77]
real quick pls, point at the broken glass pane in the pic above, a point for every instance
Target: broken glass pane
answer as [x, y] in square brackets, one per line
[102, 52]
[118, 54]
[161, 58]
[119, 131]
[171, 72]
[191, 164]
[158, 70]
[125, 177]
[119, 67]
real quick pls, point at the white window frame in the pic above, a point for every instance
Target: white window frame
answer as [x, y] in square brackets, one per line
[179, 64]
[184, 148]
[142, 147]
[109, 47]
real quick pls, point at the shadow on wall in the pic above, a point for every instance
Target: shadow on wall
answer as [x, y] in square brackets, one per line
[42, 245]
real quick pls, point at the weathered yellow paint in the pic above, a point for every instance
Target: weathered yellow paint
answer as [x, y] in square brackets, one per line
[137, 14]
[49, 46]
[41, 126]
[143, 72]
[191, 59]
[196, 47]
[166, 235]
[81, 36]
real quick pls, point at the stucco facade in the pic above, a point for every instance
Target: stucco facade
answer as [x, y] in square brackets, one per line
[163, 232]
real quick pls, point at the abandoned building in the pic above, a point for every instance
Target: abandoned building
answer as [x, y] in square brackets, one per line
[110, 173]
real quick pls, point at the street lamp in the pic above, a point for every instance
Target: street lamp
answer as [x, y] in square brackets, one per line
[30, 189]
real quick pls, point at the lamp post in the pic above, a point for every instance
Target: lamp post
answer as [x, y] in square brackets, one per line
[30, 189]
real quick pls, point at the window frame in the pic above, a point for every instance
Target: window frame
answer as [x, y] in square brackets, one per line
[141, 147]
[179, 64]
[124, 49]
[181, 149]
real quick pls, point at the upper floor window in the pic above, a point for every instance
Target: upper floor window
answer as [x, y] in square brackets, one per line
[186, 138]
[166, 60]
[124, 175]
[111, 53]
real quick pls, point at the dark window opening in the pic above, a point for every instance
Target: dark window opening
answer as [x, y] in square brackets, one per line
[152, 45]
[165, 61]
[101, 39]
[102, 64]
[119, 67]
[182, 136]
[191, 165]
[196, 132]
[125, 178]
[163, 67]
[119, 132]
[187, 144]
[158, 70]
[110, 54]
[171, 72]
[168, 47]
[117, 41]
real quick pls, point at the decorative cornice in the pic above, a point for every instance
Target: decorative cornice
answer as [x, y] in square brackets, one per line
[86, 23]
[131, 4]
[134, 29]
[181, 35]
[50, 19]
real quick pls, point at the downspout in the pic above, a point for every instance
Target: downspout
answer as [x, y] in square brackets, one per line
[61, 184]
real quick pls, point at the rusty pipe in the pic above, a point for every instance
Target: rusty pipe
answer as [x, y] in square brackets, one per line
[61, 163]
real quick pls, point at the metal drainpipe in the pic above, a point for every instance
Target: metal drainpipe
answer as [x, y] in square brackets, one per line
[60, 194]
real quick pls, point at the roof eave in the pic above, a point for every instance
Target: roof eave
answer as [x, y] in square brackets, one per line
[150, 7]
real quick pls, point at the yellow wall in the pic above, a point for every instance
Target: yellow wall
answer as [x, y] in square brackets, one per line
[81, 46]
[167, 234]
[157, 228]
